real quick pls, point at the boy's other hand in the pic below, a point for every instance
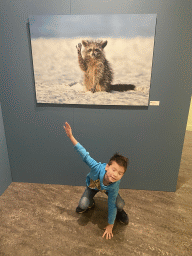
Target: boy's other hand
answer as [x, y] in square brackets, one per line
[108, 232]
[68, 129]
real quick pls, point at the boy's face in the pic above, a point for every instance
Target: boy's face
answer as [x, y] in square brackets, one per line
[114, 172]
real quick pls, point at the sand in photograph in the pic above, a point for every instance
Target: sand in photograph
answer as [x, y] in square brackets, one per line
[59, 80]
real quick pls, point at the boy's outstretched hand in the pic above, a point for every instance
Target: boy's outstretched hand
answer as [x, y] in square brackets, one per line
[68, 129]
[108, 232]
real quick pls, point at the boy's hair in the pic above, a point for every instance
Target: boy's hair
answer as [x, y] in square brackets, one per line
[120, 160]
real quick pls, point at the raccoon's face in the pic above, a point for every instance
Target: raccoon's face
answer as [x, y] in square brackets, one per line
[94, 51]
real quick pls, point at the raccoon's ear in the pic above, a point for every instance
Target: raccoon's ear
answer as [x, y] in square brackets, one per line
[85, 43]
[104, 44]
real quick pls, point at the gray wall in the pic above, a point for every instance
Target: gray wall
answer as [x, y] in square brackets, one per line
[152, 137]
[5, 172]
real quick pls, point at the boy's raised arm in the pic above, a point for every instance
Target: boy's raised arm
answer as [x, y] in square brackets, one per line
[68, 131]
[81, 150]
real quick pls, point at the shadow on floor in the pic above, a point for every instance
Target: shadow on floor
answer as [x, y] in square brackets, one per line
[96, 215]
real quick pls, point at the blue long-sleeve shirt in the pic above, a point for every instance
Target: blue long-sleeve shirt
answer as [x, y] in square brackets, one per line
[94, 180]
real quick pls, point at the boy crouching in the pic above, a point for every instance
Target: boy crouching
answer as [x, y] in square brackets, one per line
[105, 178]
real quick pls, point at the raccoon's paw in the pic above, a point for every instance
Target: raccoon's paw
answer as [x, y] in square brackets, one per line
[93, 90]
[79, 48]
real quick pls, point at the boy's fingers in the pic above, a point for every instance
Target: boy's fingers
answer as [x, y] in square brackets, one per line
[66, 125]
[108, 235]
[104, 234]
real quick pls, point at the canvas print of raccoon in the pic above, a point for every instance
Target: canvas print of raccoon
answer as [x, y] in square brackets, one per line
[98, 74]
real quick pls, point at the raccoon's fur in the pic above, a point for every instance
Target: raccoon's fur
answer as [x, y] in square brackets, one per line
[98, 74]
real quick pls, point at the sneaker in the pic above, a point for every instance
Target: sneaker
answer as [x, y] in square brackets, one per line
[79, 210]
[122, 217]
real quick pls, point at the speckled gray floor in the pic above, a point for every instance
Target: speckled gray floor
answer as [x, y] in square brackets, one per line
[38, 220]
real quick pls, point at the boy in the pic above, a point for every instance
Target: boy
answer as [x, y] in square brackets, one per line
[105, 178]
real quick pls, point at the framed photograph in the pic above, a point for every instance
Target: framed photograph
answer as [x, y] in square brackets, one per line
[93, 59]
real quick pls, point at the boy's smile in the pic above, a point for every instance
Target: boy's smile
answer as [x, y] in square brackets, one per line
[114, 172]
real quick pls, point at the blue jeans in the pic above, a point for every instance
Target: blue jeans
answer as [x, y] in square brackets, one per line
[87, 199]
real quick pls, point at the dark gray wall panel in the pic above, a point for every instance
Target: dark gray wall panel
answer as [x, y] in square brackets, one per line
[35, 142]
[39, 151]
[152, 151]
[5, 172]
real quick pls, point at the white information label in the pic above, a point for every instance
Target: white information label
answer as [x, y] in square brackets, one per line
[154, 103]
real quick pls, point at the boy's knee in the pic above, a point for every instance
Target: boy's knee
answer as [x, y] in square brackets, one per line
[84, 203]
[120, 205]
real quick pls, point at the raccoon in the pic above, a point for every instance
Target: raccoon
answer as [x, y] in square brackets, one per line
[98, 74]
